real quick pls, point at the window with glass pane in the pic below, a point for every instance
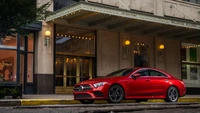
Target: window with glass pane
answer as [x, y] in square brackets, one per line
[190, 64]
[31, 43]
[59, 70]
[8, 66]
[58, 4]
[8, 42]
[22, 42]
[22, 69]
[30, 68]
[193, 1]
[191, 74]
[141, 54]
[190, 53]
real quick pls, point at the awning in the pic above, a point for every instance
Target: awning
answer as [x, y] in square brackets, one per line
[34, 27]
[100, 16]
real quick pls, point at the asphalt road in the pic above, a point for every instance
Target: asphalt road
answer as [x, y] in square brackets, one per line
[108, 108]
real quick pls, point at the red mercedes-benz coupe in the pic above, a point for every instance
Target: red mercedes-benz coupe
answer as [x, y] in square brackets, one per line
[140, 84]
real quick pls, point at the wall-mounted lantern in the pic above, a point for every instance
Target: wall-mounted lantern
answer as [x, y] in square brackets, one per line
[127, 42]
[161, 48]
[47, 38]
[126, 47]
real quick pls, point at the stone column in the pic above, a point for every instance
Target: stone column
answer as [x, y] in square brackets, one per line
[44, 61]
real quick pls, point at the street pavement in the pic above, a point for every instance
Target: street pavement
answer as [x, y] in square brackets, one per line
[62, 99]
[107, 108]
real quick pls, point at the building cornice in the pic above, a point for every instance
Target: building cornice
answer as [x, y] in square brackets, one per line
[109, 10]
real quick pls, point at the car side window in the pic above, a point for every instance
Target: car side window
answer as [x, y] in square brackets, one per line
[143, 72]
[156, 73]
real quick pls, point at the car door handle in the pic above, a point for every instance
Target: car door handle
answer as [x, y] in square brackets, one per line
[147, 80]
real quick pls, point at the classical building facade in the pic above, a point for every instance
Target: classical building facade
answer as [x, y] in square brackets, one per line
[89, 39]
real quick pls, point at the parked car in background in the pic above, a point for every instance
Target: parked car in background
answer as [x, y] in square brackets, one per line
[140, 84]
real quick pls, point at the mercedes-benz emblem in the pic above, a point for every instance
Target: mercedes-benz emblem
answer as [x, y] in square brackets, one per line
[80, 88]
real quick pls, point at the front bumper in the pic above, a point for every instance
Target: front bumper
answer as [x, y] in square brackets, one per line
[89, 92]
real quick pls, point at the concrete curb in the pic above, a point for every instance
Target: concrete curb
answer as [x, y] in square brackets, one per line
[36, 102]
[10, 102]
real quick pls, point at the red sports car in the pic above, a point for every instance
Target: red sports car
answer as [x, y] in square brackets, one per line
[140, 84]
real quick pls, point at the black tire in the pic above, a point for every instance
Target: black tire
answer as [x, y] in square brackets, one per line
[86, 101]
[141, 100]
[172, 94]
[115, 94]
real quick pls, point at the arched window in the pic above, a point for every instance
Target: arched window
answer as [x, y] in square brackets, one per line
[141, 55]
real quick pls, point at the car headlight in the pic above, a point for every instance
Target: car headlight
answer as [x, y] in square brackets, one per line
[96, 85]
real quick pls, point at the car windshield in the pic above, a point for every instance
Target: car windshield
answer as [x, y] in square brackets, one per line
[121, 72]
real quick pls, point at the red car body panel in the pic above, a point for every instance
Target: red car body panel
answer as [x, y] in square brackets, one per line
[143, 87]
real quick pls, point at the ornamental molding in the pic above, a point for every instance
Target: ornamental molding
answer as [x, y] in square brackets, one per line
[84, 6]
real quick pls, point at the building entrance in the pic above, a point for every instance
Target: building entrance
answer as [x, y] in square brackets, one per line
[74, 54]
[71, 70]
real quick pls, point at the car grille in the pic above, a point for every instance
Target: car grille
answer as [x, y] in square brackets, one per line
[82, 88]
[82, 96]
[98, 94]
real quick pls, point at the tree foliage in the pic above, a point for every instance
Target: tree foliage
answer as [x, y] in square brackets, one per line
[14, 14]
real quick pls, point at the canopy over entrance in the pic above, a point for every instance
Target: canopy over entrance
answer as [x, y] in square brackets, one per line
[97, 16]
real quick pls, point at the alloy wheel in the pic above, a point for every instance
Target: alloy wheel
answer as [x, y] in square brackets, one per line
[115, 94]
[172, 94]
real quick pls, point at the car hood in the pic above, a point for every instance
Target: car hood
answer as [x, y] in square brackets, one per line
[96, 80]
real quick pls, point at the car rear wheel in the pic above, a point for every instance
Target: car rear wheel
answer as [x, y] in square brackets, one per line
[86, 101]
[172, 94]
[115, 94]
[141, 100]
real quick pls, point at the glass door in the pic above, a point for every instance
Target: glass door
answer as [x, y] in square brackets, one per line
[85, 69]
[71, 70]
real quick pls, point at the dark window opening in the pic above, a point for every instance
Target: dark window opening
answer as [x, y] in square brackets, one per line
[141, 55]
[58, 4]
[193, 1]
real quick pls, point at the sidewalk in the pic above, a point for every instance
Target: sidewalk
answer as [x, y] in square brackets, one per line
[61, 99]
[49, 96]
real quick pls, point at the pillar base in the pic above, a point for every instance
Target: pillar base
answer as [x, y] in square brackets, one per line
[45, 83]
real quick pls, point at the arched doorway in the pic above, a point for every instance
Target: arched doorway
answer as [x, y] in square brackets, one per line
[141, 54]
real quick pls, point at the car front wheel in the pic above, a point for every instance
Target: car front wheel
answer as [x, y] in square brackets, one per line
[115, 94]
[86, 101]
[172, 94]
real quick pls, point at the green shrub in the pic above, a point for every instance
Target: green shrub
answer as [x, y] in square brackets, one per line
[9, 91]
